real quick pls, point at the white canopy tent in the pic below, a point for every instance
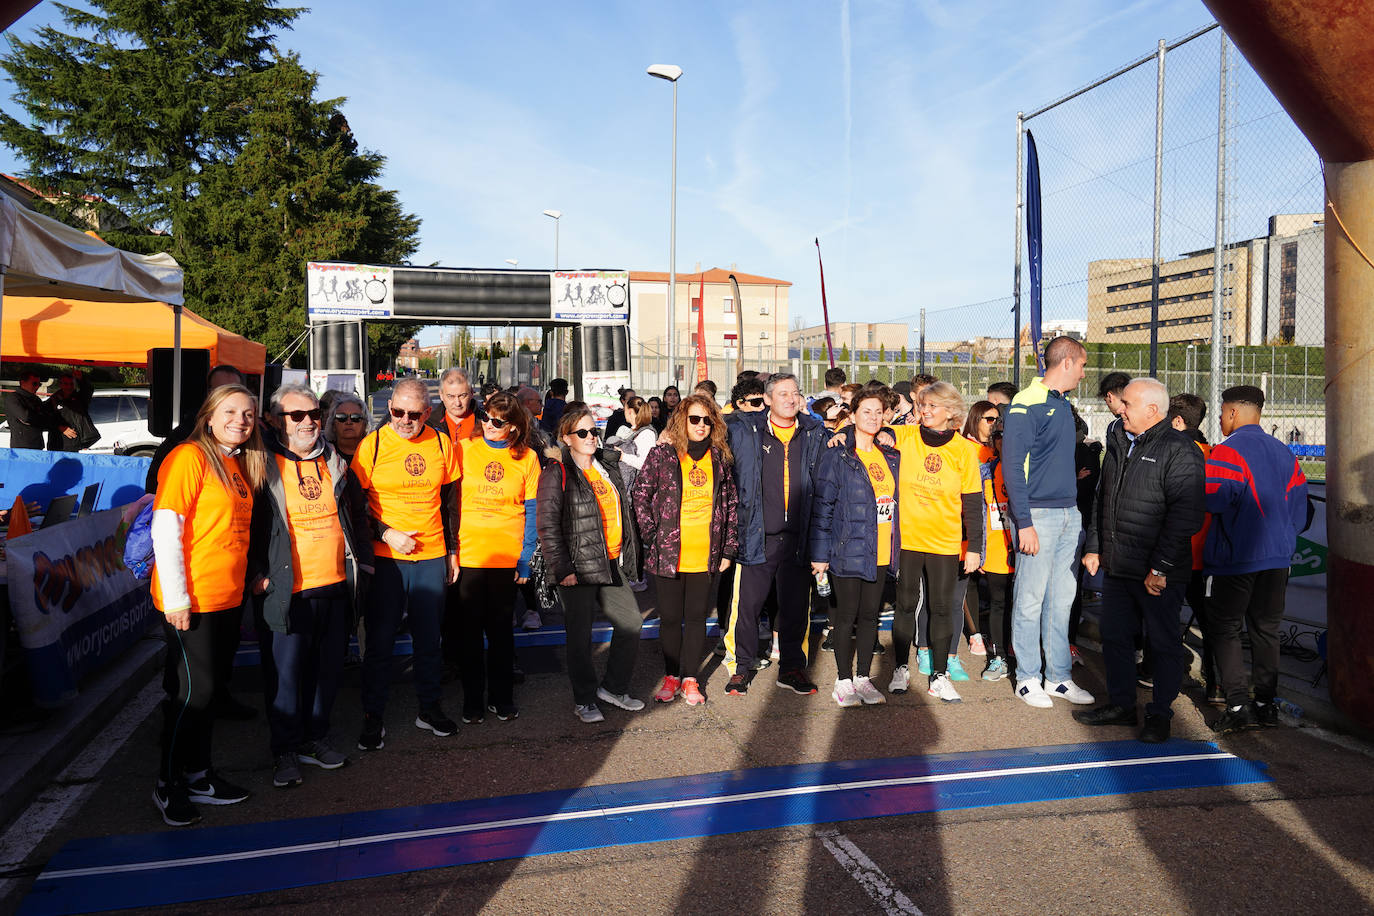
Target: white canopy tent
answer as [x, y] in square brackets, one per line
[41, 256]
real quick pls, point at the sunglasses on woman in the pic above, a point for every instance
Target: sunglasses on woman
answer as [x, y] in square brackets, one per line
[584, 433]
[299, 415]
[496, 422]
[349, 418]
[696, 420]
[413, 415]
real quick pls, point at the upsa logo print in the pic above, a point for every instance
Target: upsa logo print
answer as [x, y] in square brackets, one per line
[934, 463]
[415, 465]
[240, 486]
[876, 471]
[600, 488]
[310, 488]
[494, 472]
[697, 477]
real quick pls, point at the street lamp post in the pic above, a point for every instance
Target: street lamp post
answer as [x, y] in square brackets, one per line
[672, 74]
[554, 215]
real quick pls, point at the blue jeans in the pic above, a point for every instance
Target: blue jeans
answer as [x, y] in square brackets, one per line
[415, 588]
[1043, 595]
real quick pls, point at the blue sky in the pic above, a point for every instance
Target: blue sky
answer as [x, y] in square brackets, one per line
[885, 128]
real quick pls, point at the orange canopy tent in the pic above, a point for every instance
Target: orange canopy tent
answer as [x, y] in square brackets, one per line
[94, 333]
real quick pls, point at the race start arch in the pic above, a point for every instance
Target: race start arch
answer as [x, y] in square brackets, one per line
[593, 304]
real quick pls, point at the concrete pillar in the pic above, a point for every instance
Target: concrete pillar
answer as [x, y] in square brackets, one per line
[1350, 437]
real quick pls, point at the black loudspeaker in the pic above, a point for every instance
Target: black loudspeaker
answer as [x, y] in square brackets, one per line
[271, 381]
[195, 366]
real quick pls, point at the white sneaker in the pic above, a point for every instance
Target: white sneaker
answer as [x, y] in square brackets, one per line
[1033, 694]
[623, 700]
[942, 688]
[900, 680]
[532, 621]
[1068, 690]
[844, 693]
[871, 695]
[589, 714]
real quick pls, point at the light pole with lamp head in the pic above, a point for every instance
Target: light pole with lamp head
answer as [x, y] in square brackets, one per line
[672, 74]
[554, 215]
[514, 263]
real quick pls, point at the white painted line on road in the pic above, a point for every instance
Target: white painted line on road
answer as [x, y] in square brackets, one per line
[621, 811]
[869, 876]
[73, 785]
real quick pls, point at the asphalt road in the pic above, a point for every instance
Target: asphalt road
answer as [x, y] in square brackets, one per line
[1297, 844]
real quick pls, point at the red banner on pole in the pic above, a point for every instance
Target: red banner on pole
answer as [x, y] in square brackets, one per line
[825, 310]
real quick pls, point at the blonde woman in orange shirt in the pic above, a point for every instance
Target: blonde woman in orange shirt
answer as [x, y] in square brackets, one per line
[202, 516]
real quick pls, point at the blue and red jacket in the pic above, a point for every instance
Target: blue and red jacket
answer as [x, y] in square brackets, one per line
[1257, 497]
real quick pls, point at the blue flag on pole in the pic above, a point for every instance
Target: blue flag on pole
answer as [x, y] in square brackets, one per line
[1034, 245]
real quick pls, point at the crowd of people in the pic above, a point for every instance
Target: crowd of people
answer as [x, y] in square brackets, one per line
[61, 422]
[975, 520]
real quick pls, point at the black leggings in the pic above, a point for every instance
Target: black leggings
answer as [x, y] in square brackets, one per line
[683, 604]
[486, 598]
[998, 634]
[195, 660]
[941, 572]
[856, 600]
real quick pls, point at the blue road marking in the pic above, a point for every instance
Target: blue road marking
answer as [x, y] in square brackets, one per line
[187, 865]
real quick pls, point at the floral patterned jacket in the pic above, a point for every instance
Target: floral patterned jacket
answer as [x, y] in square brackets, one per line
[657, 500]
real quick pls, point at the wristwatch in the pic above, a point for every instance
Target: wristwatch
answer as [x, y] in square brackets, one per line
[1155, 572]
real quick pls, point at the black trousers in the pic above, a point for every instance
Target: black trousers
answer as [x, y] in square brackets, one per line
[1256, 600]
[683, 603]
[1126, 607]
[486, 600]
[857, 601]
[618, 603]
[942, 574]
[997, 631]
[301, 668]
[195, 658]
[1197, 600]
[780, 567]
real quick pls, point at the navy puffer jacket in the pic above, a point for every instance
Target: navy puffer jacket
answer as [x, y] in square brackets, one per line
[844, 512]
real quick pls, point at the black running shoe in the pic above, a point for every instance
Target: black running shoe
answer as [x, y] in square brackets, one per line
[214, 789]
[504, 712]
[433, 719]
[174, 803]
[738, 685]
[797, 682]
[1266, 714]
[373, 734]
[1236, 719]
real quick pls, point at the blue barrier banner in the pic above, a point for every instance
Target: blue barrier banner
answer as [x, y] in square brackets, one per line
[75, 605]
[42, 476]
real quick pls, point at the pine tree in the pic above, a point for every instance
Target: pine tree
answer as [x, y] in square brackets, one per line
[300, 190]
[132, 104]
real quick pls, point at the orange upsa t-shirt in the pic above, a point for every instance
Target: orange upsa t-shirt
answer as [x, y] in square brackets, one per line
[608, 504]
[312, 514]
[884, 490]
[214, 538]
[997, 555]
[932, 483]
[494, 489]
[402, 485]
[697, 488]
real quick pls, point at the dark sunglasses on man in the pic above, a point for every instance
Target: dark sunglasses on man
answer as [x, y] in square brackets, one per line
[414, 415]
[298, 415]
[756, 401]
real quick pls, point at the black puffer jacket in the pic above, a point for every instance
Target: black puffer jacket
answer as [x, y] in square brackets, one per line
[1148, 505]
[569, 522]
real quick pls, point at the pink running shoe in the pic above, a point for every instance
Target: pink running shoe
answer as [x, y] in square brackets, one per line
[668, 690]
[691, 692]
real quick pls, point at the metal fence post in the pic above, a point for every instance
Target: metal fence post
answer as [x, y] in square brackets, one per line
[1218, 255]
[1159, 202]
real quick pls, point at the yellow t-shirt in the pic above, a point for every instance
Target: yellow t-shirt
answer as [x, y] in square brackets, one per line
[884, 489]
[785, 434]
[214, 538]
[932, 483]
[402, 485]
[608, 504]
[494, 489]
[312, 514]
[695, 523]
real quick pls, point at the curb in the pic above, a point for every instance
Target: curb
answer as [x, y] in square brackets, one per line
[31, 760]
